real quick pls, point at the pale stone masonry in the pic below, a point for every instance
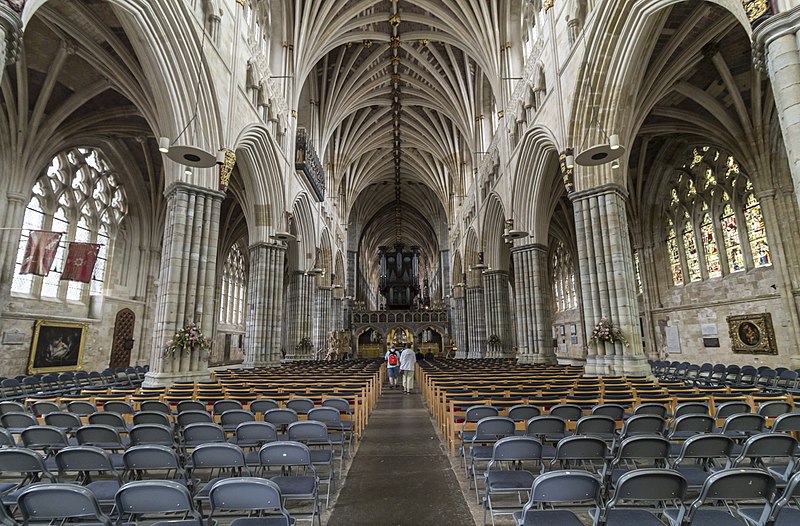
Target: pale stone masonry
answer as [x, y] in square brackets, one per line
[533, 304]
[476, 322]
[186, 281]
[262, 340]
[498, 312]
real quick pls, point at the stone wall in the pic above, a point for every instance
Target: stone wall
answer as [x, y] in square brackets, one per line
[700, 309]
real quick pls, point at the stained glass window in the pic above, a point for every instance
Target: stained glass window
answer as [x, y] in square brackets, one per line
[710, 247]
[730, 237]
[674, 255]
[87, 204]
[690, 250]
[756, 232]
[710, 195]
[637, 271]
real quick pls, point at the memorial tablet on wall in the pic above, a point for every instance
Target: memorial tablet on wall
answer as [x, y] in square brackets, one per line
[752, 334]
[57, 346]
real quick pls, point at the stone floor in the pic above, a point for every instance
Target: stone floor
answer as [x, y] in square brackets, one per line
[401, 473]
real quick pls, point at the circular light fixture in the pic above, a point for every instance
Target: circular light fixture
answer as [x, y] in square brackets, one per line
[515, 234]
[191, 156]
[599, 154]
[282, 236]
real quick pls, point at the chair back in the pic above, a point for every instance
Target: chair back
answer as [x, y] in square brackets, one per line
[476, 412]
[649, 484]
[281, 417]
[493, 427]
[280, 454]
[570, 412]
[644, 424]
[565, 486]
[151, 417]
[81, 407]
[119, 407]
[615, 411]
[262, 405]
[155, 496]
[731, 408]
[201, 433]
[248, 494]
[221, 406]
[545, 424]
[516, 448]
[523, 412]
[301, 406]
[57, 501]
[151, 434]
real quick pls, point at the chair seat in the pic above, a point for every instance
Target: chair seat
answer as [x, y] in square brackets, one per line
[261, 521]
[548, 518]
[104, 490]
[205, 522]
[296, 485]
[695, 476]
[203, 493]
[7, 486]
[754, 514]
[708, 517]
[321, 456]
[481, 453]
[517, 480]
[622, 517]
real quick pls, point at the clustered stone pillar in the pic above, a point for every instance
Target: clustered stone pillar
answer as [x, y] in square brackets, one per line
[608, 283]
[533, 305]
[457, 321]
[322, 317]
[262, 342]
[299, 309]
[777, 50]
[498, 312]
[476, 328]
[337, 318]
[10, 32]
[9, 241]
[186, 280]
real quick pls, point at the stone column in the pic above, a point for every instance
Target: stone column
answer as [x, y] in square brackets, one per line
[264, 323]
[12, 218]
[299, 307]
[775, 235]
[322, 318]
[533, 303]
[457, 321]
[498, 312]
[187, 279]
[337, 320]
[776, 50]
[608, 283]
[476, 327]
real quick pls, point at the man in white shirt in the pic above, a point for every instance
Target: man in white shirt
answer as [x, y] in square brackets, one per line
[408, 362]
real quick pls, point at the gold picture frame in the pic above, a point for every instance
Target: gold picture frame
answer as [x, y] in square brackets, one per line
[57, 347]
[752, 334]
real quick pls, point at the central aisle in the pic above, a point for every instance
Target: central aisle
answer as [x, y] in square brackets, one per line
[400, 475]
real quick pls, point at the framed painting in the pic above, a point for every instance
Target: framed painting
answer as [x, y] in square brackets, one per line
[752, 334]
[57, 346]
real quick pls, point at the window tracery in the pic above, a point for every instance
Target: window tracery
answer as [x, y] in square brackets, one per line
[80, 196]
[711, 196]
[563, 272]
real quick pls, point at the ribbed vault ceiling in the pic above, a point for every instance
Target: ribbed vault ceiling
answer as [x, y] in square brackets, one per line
[398, 92]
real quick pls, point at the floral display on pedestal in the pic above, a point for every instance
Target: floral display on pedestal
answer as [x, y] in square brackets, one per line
[187, 339]
[606, 331]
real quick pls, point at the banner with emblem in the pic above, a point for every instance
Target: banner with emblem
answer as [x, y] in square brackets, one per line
[80, 261]
[40, 252]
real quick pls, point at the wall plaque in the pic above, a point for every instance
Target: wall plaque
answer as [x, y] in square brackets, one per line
[13, 337]
[752, 334]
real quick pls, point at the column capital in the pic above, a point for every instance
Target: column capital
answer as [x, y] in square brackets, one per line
[540, 247]
[776, 26]
[604, 189]
[16, 197]
[488, 273]
[267, 245]
[766, 194]
[179, 186]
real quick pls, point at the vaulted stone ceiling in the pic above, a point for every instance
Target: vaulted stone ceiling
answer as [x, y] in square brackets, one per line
[398, 93]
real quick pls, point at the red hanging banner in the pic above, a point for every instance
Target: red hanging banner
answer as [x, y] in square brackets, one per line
[40, 252]
[80, 261]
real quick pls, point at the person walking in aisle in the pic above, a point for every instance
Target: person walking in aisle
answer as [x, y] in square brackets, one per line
[392, 367]
[408, 362]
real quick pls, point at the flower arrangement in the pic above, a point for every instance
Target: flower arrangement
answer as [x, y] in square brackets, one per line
[605, 331]
[187, 339]
[305, 343]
